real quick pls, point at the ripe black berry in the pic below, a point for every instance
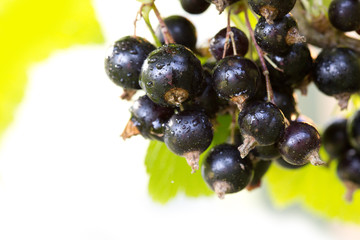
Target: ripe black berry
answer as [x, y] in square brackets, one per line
[348, 171]
[172, 75]
[277, 38]
[335, 138]
[148, 119]
[208, 101]
[235, 78]
[225, 171]
[281, 162]
[284, 98]
[188, 134]
[272, 9]
[345, 14]
[181, 29]
[296, 64]
[268, 152]
[336, 73]
[300, 144]
[260, 168]
[260, 123]
[194, 6]
[353, 130]
[218, 41]
[124, 60]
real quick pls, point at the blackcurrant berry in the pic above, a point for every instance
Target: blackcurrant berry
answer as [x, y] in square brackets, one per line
[268, 152]
[218, 41]
[277, 38]
[348, 170]
[336, 73]
[272, 9]
[282, 163]
[208, 100]
[235, 78]
[260, 169]
[181, 29]
[194, 6]
[260, 123]
[225, 171]
[147, 119]
[124, 60]
[284, 98]
[296, 64]
[188, 134]
[300, 144]
[172, 75]
[345, 14]
[335, 138]
[353, 130]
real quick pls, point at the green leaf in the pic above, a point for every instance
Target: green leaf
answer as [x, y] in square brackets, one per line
[30, 31]
[170, 174]
[316, 188]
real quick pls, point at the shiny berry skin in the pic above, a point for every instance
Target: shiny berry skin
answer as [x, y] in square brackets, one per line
[181, 29]
[272, 9]
[277, 38]
[345, 14]
[353, 130]
[124, 60]
[348, 170]
[188, 134]
[225, 171]
[218, 41]
[300, 144]
[172, 75]
[236, 77]
[282, 163]
[296, 64]
[336, 73]
[335, 138]
[260, 123]
[194, 6]
[149, 118]
[260, 169]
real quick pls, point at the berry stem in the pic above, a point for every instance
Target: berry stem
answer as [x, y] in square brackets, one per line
[165, 31]
[270, 94]
[228, 30]
[233, 124]
[272, 63]
[139, 15]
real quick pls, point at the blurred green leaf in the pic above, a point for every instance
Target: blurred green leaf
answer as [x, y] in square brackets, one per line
[170, 174]
[30, 31]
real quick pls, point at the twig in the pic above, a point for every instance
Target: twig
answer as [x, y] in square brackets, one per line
[319, 32]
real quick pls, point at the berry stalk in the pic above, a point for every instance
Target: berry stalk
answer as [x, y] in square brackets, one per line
[269, 90]
[165, 31]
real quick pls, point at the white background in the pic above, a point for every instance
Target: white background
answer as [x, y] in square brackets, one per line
[66, 174]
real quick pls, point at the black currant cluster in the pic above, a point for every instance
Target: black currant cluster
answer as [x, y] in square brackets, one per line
[341, 141]
[183, 97]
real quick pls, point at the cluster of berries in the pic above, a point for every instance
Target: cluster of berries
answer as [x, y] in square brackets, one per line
[183, 97]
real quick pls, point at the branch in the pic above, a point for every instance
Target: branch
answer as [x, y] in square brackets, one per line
[319, 31]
